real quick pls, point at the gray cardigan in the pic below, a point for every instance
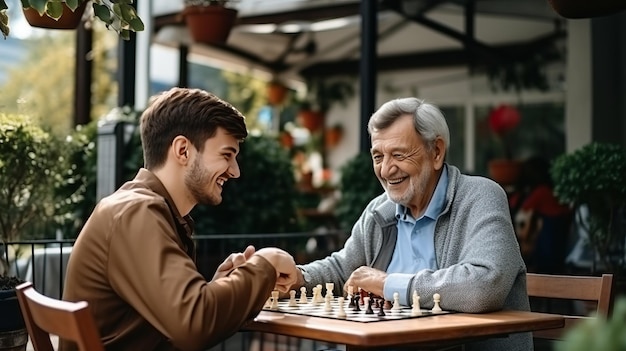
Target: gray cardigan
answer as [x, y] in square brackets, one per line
[480, 266]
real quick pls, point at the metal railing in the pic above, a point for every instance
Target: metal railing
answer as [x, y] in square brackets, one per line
[43, 263]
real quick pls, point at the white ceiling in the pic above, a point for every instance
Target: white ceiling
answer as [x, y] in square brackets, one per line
[496, 23]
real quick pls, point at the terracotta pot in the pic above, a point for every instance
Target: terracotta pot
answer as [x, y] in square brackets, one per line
[332, 137]
[209, 24]
[276, 93]
[286, 140]
[311, 120]
[68, 20]
[504, 171]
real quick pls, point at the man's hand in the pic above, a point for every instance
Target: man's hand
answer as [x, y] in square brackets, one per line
[286, 271]
[233, 261]
[367, 278]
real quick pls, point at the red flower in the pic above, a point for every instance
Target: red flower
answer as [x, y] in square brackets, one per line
[503, 119]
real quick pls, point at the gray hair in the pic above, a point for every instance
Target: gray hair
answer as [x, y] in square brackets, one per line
[428, 120]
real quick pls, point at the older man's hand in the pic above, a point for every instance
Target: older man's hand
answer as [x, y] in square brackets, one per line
[367, 278]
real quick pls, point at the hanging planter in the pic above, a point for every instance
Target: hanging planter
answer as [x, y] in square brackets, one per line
[69, 19]
[276, 93]
[209, 24]
[311, 119]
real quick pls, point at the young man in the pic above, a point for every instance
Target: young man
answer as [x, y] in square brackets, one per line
[134, 259]
[433, 230]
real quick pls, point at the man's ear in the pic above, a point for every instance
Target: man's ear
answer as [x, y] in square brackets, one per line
[440, 153]
[180, 148]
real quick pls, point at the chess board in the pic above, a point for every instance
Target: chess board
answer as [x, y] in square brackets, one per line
[319, 310]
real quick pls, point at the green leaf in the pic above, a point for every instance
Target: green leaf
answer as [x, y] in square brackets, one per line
[54, 9]
[125, 34]
[3, 5]
[39, 5]
[72, 4]
[136, 24]
[103, 13]
[4, 23]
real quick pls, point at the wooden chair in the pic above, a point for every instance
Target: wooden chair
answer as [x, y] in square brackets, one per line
[68, 320]
[570, 287]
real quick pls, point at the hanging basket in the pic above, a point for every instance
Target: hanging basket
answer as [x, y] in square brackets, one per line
[311, 120]
[209, 24]
[68, 20]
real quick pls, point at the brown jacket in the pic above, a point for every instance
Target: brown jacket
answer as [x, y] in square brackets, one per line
[132, 263]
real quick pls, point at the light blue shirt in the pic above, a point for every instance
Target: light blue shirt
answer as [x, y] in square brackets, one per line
[415, 246]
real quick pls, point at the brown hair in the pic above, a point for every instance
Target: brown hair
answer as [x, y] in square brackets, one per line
[193, 113]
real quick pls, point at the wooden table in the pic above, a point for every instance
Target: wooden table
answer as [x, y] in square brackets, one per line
[443, 330]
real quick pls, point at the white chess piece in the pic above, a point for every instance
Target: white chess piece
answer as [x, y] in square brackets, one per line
[268, 303]
[396, 303]
[416, 310]
[319, 297]
[329, 289]
[436, 299]
[341, 313]
[303, 298]
[274, 298]
[327, 306]
[292, 298]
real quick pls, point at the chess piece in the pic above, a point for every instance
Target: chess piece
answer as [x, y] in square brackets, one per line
[341, 313]
[320, 297]
[381, 312]
[292, 298]
[268, 303]
[274, 298]
[396, 303]
[416, 310]
[368, 303]
[436, 307]
[329, 289]
[303, 298]
[327, 306]
[350, 296]
[315, 298]
[356, 303]
[387, 305]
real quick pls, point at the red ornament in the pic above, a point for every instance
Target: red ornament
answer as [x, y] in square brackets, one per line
[504, 118]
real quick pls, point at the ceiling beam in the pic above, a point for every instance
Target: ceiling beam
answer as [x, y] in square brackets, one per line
[438, 58]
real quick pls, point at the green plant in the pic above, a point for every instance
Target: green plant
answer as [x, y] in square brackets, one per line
[599, 334]
[595, 176]
[358, 186]
[262, 200]
[31, 163]
[322, 93]
[118, 15]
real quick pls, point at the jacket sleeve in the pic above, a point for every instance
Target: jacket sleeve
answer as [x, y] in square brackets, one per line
[149, 270]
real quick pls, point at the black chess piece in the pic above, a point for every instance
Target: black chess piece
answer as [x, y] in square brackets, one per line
[381, 313]
[356, 303]
[369, 310]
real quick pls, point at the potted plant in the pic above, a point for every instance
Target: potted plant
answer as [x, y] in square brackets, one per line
[13, 334]
[321, 95]
[332, 135]
[358, 185]
[595, 176]
[598, 334]
[209, 21]
[119, 16]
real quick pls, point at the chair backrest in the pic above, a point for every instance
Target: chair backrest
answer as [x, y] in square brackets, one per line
[68, 320]
[570, 287]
